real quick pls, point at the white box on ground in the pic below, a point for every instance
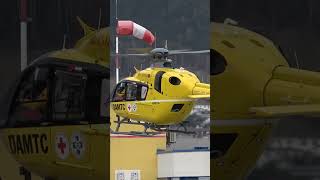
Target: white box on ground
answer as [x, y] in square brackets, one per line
[184, 163]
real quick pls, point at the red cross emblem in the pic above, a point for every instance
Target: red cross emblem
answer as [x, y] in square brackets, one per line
[61, 145]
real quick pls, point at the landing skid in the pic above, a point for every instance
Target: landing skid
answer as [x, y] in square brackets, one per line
[157, 128]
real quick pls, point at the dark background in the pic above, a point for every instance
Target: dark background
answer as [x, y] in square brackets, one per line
[294, 151]
[49, 21]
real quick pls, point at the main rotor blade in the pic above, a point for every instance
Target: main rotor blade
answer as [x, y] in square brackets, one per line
[179, 50]
[190, 52]
[126, 55]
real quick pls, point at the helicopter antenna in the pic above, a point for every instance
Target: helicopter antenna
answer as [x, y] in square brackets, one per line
[297, 60]
[64, 42]
[99, 24]
[137, 70]
[230, 21]
[155, 40]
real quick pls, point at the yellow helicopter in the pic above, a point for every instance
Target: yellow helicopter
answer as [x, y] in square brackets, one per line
[158, 96]
[253, 88]
[56, 123]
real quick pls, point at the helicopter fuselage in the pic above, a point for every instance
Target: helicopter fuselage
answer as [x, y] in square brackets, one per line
[54, 120]
[253, 87]
[161, 96]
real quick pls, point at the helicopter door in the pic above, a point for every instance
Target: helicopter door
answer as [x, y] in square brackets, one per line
[70, 141]
[157, 81]
[136, 93]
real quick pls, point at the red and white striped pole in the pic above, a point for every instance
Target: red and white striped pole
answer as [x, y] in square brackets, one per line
[132, 29]
[117, 59]
[117, 48]
[23, 34]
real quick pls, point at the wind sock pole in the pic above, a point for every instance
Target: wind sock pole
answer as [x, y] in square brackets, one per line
[23, 34]
[117, 47]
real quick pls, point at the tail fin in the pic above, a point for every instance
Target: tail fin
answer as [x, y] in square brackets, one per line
[86, 29]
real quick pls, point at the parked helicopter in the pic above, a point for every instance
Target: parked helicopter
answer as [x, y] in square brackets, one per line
[253, 87]
[158, 96]
[56, 123]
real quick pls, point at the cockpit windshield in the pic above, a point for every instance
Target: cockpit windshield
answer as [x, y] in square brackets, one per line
[130, 91]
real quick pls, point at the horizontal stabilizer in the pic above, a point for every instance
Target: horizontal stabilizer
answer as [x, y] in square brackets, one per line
[288, 110]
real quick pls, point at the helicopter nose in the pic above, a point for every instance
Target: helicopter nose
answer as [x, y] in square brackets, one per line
[201, 89]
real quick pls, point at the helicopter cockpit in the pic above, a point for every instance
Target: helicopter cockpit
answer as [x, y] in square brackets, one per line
[53, 91]
[130, 91]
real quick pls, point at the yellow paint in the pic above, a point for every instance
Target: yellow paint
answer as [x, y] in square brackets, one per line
[257, 85]
[134, 153]
[93, 48]
[92, 164]
[156, 108]
[11, 170]
[126, 153]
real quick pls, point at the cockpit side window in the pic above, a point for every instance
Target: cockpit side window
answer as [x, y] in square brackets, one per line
[143, 92]
[30, 105]
[131, 92]
[218, 62]
[157, 81]
[119, 93]
[69, 96]
[97, 99]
